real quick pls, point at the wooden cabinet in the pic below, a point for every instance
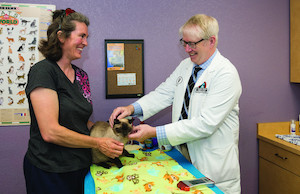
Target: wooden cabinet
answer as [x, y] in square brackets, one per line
[276, 170]
[279, 161]
[295, 41]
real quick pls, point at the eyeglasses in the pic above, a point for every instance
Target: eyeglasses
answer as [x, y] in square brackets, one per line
[67, 12]
[192, 45]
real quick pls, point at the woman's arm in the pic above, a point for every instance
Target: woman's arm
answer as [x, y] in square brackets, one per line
[46, 109]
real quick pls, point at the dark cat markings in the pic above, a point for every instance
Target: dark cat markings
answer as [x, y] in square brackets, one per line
[120, 131]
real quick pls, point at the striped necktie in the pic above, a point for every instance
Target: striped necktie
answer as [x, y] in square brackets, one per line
[185, 107]
[188, 92]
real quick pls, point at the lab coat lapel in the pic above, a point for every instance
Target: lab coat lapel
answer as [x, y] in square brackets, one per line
[205, 77]
[186, 73]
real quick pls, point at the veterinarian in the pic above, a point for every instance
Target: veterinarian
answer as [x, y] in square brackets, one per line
[59, 97]
[205, 118]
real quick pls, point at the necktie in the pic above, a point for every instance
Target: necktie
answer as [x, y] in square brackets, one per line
[188, 92]
[185, 106]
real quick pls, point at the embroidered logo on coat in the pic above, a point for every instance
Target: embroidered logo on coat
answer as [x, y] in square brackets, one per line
[179, 80]
[202, 88]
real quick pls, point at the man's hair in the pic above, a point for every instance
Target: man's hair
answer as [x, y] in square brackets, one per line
[206, 26]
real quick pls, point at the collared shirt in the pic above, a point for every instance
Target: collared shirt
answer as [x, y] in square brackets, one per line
[160, 130]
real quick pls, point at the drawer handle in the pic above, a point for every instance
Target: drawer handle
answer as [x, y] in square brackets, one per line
[283, 158]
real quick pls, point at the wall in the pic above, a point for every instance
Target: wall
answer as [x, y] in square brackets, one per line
[254, 35]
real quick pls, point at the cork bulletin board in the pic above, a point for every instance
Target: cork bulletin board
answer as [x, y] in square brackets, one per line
[21, 28]
[124, 68]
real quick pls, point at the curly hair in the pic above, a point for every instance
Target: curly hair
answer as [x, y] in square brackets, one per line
[64, 22]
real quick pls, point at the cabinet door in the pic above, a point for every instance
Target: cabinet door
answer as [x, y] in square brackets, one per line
[274, 179]
[294, 41]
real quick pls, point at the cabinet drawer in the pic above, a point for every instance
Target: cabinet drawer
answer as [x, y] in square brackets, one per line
[276, 180]
[280, 157]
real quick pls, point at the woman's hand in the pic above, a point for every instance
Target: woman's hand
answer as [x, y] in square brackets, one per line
[110, 147]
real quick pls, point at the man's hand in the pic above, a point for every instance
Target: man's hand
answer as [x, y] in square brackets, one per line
[120, 113]
[142, 132]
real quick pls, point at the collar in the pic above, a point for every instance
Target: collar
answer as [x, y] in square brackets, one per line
[208, 62]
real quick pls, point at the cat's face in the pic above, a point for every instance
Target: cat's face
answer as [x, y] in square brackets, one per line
[122, 127]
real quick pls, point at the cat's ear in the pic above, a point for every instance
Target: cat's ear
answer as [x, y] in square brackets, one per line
[116, 121]
[130, 120]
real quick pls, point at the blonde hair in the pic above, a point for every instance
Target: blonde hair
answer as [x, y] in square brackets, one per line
[202, 26]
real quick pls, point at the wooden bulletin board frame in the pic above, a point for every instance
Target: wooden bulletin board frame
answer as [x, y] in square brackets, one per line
[124, 68]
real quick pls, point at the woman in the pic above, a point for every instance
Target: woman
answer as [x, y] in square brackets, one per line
[58, 92]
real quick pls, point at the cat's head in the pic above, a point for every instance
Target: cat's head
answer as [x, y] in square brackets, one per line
[122, 127]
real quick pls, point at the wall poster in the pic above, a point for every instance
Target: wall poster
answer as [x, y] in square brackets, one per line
[21, 28]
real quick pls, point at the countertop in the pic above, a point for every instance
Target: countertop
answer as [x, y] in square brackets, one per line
[267, 131]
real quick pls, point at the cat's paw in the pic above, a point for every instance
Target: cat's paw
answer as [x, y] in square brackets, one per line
[104, 165]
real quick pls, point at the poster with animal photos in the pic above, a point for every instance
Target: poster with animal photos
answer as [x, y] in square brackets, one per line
[21, 28]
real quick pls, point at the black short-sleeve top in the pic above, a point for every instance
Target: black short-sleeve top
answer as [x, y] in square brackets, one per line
[75, 108]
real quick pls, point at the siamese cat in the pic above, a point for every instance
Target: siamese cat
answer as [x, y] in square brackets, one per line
[120, 131]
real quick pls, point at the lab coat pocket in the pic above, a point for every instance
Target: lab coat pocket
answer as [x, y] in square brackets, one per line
[197, 102]
[222, 163]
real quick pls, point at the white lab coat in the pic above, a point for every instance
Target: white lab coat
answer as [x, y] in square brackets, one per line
[212, 128]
